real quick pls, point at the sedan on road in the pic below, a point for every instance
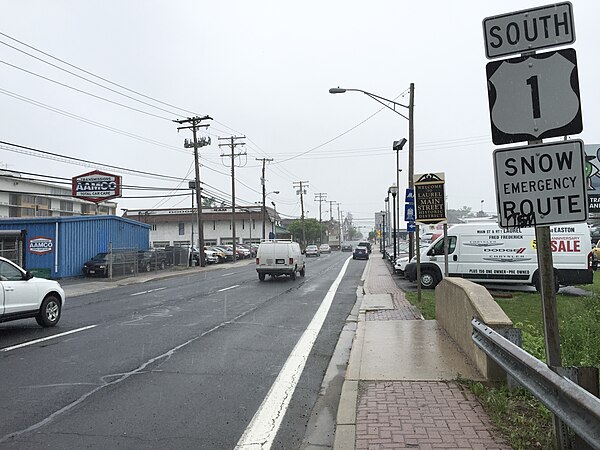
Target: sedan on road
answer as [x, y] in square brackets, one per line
[312, 250]
[325, 248]
[346, 247]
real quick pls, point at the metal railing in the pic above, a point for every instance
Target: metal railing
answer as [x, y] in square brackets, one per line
[576, 407]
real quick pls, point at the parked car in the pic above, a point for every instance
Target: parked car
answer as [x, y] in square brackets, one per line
[26, 296]
[241, 251]
[220, 254]
[312, 250]
[227, 252]
[324, 248]
[365, 244]
[152, 259]
[346, 247]
[210, 256]
[251, 249]
[360, 252]
[123, 263]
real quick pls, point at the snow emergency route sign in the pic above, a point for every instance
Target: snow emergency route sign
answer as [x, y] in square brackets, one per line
[541, 184]
[96, 186]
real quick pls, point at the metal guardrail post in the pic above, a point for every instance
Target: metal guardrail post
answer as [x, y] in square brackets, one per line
[576, 407]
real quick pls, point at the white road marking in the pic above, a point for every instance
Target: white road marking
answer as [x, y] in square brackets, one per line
[263, 427]
[37, 341]
[228, 274]
[147, 292]
[227, 288]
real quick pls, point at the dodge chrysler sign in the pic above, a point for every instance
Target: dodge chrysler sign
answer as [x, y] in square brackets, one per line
[541, 184]
[96, 186]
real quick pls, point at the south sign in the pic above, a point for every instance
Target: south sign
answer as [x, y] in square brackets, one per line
[96, 186]
[529, 30]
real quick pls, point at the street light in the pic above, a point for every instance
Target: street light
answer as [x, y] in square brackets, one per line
[411, 138]
[397, 146]
[264, 211]
[274, 223]
[394, 191]
[382, 240]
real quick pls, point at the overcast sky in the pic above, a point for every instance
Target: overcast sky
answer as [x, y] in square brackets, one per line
[262, 69]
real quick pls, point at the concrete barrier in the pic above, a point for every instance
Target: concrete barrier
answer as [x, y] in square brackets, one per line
[457, 301]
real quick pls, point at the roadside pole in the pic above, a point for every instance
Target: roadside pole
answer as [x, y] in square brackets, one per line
[533, 97]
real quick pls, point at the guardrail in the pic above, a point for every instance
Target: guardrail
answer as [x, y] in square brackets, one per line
[576, 407]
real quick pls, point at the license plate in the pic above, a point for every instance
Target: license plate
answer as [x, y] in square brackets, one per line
[92, 271]
[280, 261]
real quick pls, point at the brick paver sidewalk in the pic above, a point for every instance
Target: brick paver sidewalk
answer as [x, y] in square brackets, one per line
[423, 415]
[380, 281]
[416, 414]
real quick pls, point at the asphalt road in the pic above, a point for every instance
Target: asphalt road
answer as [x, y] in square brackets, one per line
[182, 362]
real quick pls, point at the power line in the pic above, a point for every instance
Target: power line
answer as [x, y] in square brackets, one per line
[88, 80]
[96, 76]
[81, 91]
[36, 152]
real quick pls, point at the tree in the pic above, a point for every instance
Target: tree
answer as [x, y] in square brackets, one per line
[455, 215]
[208, 202]
[312, 228]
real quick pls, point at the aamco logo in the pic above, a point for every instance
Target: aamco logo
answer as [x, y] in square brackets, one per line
[40, 245]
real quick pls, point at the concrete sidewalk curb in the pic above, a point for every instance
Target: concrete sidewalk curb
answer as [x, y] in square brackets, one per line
[86, 286]
[345, 430]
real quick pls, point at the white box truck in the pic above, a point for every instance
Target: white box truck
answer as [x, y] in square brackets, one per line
[486, 253]
[277, 257]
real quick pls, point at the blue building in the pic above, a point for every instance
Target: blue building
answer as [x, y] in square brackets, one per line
[57, 247]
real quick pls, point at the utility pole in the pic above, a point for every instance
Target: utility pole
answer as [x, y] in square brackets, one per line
[233, 155]
[320, 197]
[264, 193]
[331, 203]
[411, 160]
[339, 213]
[195, 124]
[300, 190]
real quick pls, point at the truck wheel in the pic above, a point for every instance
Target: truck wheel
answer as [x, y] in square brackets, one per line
[429, 279]
[538, 282]
[261, 276]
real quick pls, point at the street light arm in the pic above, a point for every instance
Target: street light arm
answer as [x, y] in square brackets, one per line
[375, 97]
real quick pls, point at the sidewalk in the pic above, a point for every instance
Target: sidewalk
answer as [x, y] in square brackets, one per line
[399, 390]
[83, 286]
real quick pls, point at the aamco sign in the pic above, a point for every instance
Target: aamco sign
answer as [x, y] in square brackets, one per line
[96, 186]
[541, 184]
[40, 245]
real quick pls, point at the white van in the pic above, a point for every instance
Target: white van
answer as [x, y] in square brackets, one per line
[279, 257]
[486, 253]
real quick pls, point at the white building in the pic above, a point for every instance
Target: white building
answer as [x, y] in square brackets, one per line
[178, 227]
[24, 197]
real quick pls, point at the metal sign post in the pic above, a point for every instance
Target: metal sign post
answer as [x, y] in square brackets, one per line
[532, 97]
